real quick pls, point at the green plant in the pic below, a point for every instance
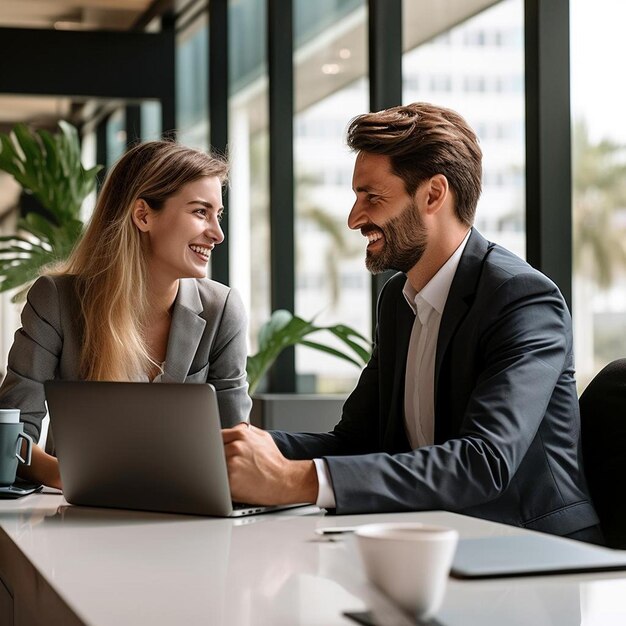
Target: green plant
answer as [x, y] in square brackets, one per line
[284, 329]
[48, 166]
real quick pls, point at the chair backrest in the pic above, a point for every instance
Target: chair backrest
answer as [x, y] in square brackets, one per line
[603, 437]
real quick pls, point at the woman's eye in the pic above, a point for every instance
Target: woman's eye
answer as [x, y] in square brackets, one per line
[220, 216]
[201, 212]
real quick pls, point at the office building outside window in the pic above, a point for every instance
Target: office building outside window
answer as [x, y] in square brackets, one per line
[477, 69]
[332, 283]
[599, 185]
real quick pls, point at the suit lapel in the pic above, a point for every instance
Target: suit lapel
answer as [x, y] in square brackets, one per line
[460, 296]
[395, 436]
[185, 332]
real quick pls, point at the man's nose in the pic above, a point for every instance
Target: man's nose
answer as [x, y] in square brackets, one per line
[355, 217]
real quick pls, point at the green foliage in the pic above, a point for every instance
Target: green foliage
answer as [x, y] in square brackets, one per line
[48, 166]
[284, 329]
[599, 198]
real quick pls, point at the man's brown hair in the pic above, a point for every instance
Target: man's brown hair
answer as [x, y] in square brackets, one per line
[423, 140]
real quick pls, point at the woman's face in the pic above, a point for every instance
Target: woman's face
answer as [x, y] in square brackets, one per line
[182, 234]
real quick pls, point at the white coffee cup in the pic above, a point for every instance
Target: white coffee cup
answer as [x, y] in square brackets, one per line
[9, 416]
[409, 562]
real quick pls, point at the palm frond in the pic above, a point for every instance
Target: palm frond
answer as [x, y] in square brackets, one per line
[284, 329]
[47, 166]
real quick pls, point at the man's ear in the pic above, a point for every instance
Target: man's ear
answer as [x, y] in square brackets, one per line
[436, 193]
[141, 215]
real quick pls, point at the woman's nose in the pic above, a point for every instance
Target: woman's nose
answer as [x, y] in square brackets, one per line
[214, 231]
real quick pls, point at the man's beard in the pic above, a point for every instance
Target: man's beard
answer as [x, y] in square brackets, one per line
[403, 245]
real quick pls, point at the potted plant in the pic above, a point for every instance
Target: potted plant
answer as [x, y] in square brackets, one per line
[299, 412]
[47, 166]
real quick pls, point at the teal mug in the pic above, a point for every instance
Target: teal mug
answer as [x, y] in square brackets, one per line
[11, 436]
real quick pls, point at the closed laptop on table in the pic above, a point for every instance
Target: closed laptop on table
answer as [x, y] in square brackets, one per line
[535, 554]
[154, 447]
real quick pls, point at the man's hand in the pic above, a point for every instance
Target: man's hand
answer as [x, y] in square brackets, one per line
[259, 474]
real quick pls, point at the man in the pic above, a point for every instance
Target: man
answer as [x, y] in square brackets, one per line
[469, 402]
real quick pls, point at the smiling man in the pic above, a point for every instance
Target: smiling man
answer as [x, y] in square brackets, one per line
[469, 401]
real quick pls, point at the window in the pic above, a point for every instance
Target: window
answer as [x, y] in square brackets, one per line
[192, 107]
[477, 79]
[249, 156]
[599, 191]
[116, 136]
[329, 91]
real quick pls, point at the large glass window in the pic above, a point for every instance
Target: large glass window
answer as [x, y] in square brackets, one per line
[477, 69]
[332, 283]
[192, 106]
[115, 136]
[248, 153]
[599, 185]
[150, 121]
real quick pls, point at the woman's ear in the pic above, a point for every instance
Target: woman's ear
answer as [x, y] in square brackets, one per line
[141, 215]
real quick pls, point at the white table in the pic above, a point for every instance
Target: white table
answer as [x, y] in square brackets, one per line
[71, 565]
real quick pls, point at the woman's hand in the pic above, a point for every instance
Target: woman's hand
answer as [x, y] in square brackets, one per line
[43, 468]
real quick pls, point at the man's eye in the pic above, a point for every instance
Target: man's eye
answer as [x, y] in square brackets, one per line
[371, 198]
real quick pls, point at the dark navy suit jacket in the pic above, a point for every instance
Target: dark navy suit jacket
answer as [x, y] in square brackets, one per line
[507, 426]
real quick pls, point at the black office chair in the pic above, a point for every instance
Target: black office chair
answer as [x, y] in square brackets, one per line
[603, 437]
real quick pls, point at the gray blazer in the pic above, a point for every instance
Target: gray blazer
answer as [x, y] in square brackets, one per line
[507, 427]
[207, 344]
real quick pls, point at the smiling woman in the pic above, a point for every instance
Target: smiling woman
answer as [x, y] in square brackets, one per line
[133, 303]
[182, 232]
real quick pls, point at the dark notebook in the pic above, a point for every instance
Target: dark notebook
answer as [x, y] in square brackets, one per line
[533, 554]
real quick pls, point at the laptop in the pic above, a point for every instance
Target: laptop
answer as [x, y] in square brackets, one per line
[534, 554]
[145, 446]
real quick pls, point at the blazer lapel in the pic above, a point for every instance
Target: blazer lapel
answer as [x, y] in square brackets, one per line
[185, 332]
[396, 439]
[461, 295]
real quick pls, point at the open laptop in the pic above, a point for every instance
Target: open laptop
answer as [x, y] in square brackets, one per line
[152, 447]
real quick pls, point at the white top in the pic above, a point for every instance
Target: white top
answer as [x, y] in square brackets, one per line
[125, 568]
[419, 408]
[419, 387]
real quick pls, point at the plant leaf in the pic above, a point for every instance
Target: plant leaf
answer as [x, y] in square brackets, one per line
[329, 350]
[284, 329]
[49, 167]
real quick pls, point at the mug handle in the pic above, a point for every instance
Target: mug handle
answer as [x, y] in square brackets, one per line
[29, 448]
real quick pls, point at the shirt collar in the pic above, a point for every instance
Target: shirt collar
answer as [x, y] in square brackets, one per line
[435, 292]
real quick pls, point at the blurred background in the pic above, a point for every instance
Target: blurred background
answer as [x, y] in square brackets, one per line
[275, 83]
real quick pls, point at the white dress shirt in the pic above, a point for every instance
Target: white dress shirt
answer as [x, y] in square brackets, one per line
[419, 388]
[419, 382]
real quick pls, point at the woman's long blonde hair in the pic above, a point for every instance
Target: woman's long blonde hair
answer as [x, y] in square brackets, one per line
[109, 260]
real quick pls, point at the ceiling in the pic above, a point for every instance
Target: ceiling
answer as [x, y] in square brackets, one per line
[72, 14]
[422, 20]
[63, 15]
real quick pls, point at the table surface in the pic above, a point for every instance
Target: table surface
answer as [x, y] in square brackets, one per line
[121, 568]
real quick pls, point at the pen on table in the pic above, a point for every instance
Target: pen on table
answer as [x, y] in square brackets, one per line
[335, 530]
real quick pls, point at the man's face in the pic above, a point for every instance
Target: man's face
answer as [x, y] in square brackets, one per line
[386, 215]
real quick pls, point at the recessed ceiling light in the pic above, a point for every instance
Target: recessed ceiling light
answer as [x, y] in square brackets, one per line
[345, 53]
[331, 68]
[69, 25]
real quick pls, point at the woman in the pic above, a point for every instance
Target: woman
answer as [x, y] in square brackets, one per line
[132, 302]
